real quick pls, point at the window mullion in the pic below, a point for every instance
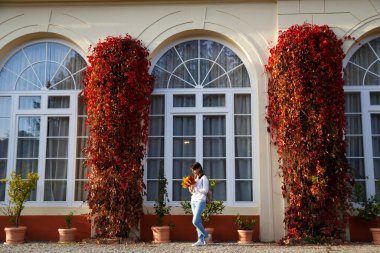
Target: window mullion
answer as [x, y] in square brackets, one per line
[367, 144]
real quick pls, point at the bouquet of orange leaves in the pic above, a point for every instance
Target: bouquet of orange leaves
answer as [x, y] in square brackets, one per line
[187, 181]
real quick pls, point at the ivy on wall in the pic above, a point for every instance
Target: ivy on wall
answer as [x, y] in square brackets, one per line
[117, 95]
[306, 118]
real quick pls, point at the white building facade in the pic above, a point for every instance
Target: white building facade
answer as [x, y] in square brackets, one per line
[209, 101]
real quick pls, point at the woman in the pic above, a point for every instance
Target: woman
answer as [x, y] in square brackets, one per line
[198, 202]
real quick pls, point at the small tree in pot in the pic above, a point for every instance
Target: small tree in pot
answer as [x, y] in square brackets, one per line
[161, 233]
[19, 192]
[67, 234]
[245, 229]
[369, 210]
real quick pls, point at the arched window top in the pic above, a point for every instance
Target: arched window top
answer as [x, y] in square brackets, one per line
[200, 64]
[43, 66]
[363, 68]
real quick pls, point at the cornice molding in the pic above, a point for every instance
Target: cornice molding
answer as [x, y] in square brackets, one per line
[126, 2]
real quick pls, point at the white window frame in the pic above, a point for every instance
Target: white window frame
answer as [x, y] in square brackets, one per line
[44, 112]
[228, 110]
[366, 110]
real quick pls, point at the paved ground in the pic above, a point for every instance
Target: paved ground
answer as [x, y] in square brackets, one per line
[182, 247]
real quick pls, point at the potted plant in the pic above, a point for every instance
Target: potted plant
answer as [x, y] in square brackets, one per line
[213, 207]
[369, 210]
[67, 234]
[245, 229]
[19, 192]
[161, 233]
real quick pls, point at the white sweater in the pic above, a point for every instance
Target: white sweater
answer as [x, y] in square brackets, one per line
[200, 189]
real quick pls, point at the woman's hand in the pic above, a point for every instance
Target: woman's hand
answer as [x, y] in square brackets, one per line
[191, 188]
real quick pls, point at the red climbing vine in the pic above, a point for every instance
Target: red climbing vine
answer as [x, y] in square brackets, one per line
[117, 95]
[307, 122]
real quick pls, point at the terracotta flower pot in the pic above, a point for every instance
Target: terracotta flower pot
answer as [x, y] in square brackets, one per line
[210, 231]
[245, 236]
[375, 235]
[66, 235]
[161, 234]
[15, 235]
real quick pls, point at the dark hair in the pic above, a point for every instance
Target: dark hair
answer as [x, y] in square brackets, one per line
[196, 166]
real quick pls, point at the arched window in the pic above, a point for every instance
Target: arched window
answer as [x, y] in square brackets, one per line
[362, 108]
[201, 111]
[42, 120]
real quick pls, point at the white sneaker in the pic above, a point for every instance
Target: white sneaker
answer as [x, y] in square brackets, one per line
[199, 243]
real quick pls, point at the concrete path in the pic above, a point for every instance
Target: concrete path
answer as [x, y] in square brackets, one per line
[182, 247]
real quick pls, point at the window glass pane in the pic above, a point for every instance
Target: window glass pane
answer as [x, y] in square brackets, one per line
[28, 148]
[57, 148]
[376, 146]
[80, 191]
[375, 98]
[239, 77]
[357, 164]
[183, 74]
[360, 192]
[375, 123]
[183, 100]
[220, 191]
[214, 100]
[183, 147]
[242, 104]
[212, 50]
[180, 193]
[81, 169]
[24, 166]
[353, 75]
[243, 168]
[59, 102]
[242, 125]
[355, 146]
[29, 126]
[243, 146]
[81, 143]
[169, 60]
[30, 102]
[181, 167]
[243, 191]
[156, 126]
[184, 125]
[5, 106]
[213, 76]
[55, 191]
[354, 124]
[376, 168]
[215, 168]
[155, 147]
[3, 141]
[2, 191]
[152, 190]
[214, 125]
[214, 146]
[83, 128]
[3, 168]
[187, 50]
[58, 126]
[3, 174]
[157, 105]
[56, 169]
[154, 166]
[161, 77]
[82, 110]
[352, 102]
